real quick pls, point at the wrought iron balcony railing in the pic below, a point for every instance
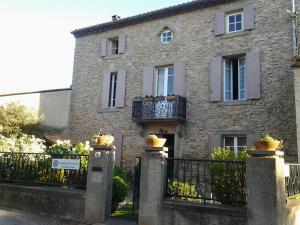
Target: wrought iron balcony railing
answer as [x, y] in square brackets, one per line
[161, 108]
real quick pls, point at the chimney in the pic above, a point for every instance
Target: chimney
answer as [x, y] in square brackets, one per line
[115, 17]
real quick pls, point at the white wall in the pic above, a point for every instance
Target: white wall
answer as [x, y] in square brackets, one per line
[53, 104]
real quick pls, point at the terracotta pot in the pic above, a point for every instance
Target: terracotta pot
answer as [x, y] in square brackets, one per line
[104, 140]
[266, 145]
[156, 142]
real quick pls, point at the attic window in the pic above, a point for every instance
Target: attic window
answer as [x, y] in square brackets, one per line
[166, 37]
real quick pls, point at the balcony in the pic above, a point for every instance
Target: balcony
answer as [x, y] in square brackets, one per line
[159, 109]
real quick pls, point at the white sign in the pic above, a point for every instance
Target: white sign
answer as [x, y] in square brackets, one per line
[68, 164]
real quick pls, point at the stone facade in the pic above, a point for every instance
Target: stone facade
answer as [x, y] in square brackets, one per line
[194, 44]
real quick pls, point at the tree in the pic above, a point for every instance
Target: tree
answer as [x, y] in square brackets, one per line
[16, 119]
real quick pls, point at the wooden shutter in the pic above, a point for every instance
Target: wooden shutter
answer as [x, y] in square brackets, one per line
[219, 23]
[121, 85]
[179, 79]
[253, 75]
[103, 47]
[215, 141]
[122, 44]
[248, 18]
[118, 151]
[216, 79]
[105, 90]
[148, 75]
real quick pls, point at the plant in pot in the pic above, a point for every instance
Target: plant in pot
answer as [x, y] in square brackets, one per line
[171, 97]
[149, 98]
[268, 143]
[103, 139]
[153, 141]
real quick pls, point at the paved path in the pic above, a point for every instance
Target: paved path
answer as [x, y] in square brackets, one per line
[9, 216]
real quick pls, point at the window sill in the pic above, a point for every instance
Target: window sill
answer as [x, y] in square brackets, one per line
[108, 110]
[112, 56]
[235, 34]
[235, 103]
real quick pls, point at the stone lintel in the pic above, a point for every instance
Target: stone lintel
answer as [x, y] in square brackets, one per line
[265, 153]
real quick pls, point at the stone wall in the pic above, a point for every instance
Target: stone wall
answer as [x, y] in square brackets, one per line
[194, 44]
[66, 204]
[176, 213]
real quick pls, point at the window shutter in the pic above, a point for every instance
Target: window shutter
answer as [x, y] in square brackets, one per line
[248, 18]
[215, 141]
[219, 23]
[105, 90]
[216, 79]
[250, 138]
[179, 79]
[148, 80]
[122, 44]
[118, 152]
[121, 85]
[103, 47]
[253, 75]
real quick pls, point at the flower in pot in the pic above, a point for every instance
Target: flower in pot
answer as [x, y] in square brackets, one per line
[268, 143]
[171, 97]
[149, 98]
[153, 141]
[103, 139]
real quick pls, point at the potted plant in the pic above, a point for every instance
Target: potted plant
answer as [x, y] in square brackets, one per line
[171, 97]
[268, 143]
[103, 139]
[149, 98]
[153, 141]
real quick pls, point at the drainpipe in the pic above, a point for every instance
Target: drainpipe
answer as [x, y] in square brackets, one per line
[294, 28]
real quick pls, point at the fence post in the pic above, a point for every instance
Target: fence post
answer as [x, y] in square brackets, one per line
[266, 188]
[99, 185]
[152, 185]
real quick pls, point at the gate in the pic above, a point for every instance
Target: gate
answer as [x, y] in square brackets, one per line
[136, 187]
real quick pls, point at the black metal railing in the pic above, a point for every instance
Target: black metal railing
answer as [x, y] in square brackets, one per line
[159, 108]
[206, 181]
[292, 182]
[35, 169]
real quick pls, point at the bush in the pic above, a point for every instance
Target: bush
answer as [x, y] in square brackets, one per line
[228, 180]
[60, 147]
[16, 119]
[119, 192]
[183, 191]
[118, 172]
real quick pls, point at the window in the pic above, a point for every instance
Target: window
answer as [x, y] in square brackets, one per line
[234, 22]
[113, 44]
[164, 81]
[235, 143]
[166, 37]
[234, 79]
[112, 90]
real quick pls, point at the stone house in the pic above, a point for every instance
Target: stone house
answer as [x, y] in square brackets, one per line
[219, 69]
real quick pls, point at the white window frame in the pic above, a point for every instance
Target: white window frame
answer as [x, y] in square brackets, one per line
[111, 48]
[166, 77]
[231, 74]
[162, 37]
[112, 89]
[234, 14]
[235, 141]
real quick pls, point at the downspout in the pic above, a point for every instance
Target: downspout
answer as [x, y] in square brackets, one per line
[294, 29]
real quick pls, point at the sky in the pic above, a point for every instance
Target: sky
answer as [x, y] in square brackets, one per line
[36, 46]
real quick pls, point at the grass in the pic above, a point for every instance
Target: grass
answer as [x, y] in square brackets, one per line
[295, 197]
[124, 212]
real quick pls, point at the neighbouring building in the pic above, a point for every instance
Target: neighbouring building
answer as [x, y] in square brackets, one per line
[219, 71]
[53, 104]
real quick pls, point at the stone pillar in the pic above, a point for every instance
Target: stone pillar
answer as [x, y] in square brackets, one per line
[296, 67]
[152, 185]
[99, 185]
[266, 188]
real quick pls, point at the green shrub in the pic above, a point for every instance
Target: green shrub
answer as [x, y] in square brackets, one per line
[228, 180]
[119, 192]
[16, 119]
[118, 172]
[60, 147]
[183, 191]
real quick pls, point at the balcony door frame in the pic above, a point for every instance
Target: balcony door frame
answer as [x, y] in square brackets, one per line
[165, 79]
